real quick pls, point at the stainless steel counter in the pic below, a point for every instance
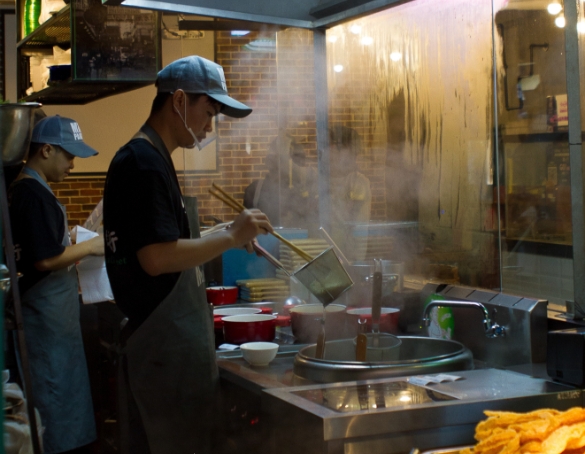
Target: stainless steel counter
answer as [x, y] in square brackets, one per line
[278, 374]
[383, 416]
[369, 416]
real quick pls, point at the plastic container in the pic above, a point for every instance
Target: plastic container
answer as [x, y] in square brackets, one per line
[58, 73]
[442, 323]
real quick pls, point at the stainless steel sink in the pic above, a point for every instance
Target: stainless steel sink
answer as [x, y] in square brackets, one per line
[418, 356]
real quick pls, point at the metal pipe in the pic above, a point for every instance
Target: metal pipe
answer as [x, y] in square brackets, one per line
[575, 154]
[322, 123]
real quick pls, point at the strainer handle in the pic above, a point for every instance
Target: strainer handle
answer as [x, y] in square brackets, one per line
[376, 297]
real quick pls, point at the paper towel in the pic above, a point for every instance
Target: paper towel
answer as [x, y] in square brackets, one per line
[93, 278]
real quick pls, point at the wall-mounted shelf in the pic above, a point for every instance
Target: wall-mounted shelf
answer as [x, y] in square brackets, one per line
[55, 31]
[114, 49]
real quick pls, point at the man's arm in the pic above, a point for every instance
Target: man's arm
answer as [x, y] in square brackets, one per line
[177, 256]
[72, 254]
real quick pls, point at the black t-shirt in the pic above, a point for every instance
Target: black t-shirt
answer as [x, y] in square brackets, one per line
[143, 205]
[38, 227]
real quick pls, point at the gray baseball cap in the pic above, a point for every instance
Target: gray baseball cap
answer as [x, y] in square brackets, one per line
[196, 74]
[63, 132]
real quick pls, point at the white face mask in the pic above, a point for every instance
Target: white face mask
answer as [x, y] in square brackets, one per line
[195, 140]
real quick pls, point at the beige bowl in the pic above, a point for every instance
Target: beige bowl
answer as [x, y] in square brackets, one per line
[306, 322]
[259, 353]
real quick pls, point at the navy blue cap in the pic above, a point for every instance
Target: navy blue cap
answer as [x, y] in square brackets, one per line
[196, 74]
[63, 132]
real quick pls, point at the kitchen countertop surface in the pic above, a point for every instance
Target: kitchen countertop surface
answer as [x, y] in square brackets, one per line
[279, 373]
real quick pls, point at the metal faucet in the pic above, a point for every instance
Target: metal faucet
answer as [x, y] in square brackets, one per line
[492, 329]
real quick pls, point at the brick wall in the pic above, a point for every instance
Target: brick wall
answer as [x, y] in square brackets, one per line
[279, 86]
[80, 196]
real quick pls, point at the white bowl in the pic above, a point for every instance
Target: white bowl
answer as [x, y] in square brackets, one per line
[236, 311]
[259, 353]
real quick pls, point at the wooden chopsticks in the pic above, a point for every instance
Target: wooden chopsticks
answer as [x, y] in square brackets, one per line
[237, 206]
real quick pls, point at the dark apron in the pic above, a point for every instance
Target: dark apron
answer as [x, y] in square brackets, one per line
[60, 380]
[169, 374]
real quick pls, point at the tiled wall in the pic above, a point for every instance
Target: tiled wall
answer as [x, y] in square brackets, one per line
[539, 276]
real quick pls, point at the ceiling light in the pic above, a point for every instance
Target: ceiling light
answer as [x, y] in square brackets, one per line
[581, 26]
[338, 68]
[262, 45]
[366, 40]
[332, 38]
[395, 56]
[554, 8]
[560, 21]
[356, 29]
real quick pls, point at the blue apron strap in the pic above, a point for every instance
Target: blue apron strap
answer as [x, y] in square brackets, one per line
[34, 174]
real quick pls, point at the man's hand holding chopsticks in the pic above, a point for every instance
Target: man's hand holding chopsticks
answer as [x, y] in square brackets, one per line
[248, 225]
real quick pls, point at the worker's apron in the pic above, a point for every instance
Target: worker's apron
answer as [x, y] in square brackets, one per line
[169, 371]
[60, 381]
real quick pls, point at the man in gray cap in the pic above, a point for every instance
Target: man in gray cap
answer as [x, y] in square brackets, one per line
[154, 260]
[49, 287]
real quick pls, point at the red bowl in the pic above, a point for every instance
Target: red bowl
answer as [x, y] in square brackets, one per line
[219, 296]
[219, 314]
[238, 329]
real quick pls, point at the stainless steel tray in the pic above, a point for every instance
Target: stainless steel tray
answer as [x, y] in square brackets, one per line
[454, 450]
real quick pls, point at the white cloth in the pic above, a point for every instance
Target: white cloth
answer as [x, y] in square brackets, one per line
[91, 270]
[17, 439]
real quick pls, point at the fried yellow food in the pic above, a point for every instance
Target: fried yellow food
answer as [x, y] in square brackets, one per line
[545, 431]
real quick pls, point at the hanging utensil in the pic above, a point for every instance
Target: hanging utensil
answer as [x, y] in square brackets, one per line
[332, 243]
[325, 277]
[320, 349]
[268, 256]
[361, 342]
[376, 302]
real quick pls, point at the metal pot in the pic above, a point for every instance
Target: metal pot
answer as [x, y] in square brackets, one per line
[16, 125]
[306, 322]
[238, 329]
[219, 296]
[362, 273]
[417, 356]
[388, 319]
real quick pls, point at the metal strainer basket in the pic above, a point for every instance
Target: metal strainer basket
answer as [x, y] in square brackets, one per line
[325, 277]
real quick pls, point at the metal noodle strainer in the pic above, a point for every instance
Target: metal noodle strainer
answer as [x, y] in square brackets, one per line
[325, 277]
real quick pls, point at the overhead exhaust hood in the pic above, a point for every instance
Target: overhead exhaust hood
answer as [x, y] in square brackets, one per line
[298, 13]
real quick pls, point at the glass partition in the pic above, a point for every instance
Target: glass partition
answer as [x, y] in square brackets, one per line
[447, 130]
[535, 185]
[415, 84]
